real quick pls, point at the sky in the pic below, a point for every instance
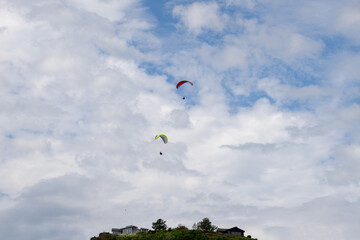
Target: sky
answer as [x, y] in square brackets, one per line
[267, 139]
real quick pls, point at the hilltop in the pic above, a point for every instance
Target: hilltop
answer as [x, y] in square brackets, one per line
[183, 234]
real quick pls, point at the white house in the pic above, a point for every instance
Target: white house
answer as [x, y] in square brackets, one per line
[128, 230]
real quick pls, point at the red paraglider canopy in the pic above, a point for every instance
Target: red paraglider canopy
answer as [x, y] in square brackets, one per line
[182, 82]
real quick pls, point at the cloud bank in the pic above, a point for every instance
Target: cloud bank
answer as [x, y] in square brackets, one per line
[267, 139]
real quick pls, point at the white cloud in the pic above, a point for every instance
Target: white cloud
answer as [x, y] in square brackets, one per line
[242, 3]
[321, 17]
[345, 71]
[200, 16]
[229, 56]
[309, 96]
[62, 96]
[112, 10]
[348, 20]
[281, 42]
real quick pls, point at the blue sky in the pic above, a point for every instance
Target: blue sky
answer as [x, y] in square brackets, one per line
[267, 139]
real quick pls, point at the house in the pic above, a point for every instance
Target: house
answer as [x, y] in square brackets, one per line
[232, 231]
[128, 230]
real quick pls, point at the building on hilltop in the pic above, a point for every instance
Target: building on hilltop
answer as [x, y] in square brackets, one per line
[128, 230]
[232, 231]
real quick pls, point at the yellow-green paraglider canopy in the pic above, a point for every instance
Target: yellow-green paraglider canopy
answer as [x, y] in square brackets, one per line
[163, 137]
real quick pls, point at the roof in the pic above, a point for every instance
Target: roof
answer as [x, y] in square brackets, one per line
[130, 226]
[233, 229]
[120, 229]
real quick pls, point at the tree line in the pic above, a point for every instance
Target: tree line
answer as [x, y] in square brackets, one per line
[202, 230]
[204, 225]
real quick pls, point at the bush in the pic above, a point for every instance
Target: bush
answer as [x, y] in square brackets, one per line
[181, 227]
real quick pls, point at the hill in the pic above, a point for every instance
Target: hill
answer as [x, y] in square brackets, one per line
[172, 235]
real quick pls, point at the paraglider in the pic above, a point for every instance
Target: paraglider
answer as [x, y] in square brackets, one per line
[181, 83]
[163, 137]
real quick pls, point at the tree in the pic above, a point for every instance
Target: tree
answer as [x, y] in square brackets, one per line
[194, 226]
[181, 227]
[159, 225]
[205, 225]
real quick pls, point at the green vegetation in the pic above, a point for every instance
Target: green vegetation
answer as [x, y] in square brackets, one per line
[159, 225]
[205, 225]
[202, 230]
[176, 234]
